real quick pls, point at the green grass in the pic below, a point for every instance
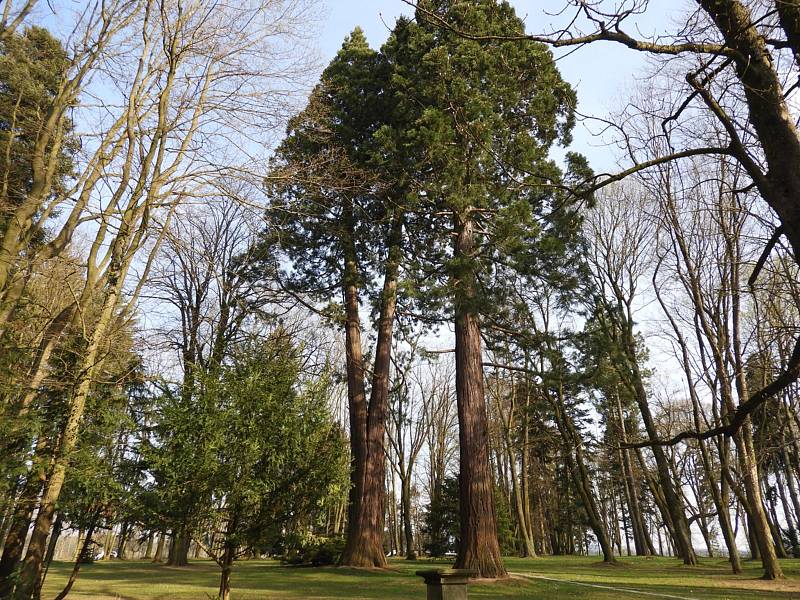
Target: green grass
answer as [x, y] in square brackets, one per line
[264, 579]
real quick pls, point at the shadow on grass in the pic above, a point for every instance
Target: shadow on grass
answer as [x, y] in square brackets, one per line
[711, 579]
[265, 579]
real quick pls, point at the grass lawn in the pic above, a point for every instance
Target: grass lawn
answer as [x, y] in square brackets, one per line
[264, 579]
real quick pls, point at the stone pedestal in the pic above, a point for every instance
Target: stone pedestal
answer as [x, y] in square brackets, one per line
[446, 584]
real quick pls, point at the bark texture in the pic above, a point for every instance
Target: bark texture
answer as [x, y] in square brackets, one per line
[479, 550]
[364, 544]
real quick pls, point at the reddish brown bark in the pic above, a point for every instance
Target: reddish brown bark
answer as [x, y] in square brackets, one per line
[479, 549]
[356, 397]
[364, 545]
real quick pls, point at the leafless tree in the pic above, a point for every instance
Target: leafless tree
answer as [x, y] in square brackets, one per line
[408, 426]
[183, 80]
[733, 61]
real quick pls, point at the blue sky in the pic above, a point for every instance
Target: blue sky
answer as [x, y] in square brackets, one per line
[601, 73]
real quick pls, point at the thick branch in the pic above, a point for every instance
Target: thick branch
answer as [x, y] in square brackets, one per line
[603, 35]
[745, 409]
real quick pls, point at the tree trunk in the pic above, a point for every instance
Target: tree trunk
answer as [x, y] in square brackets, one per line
[752, 541]
[768, 112]
[364, 545]
[18, 532]
[658, 498]
[729, 528]
[528, 549]
[407, 528]
[21, 518]
[51, 549]
[790, 485]
[719, 490]
[616, 535]
[702, 524]
[32, 565]
[641, 544]
[83, 555]
[148, 552]
[518, 487]
[394, 537]
[79, 545]
[159, 555]
[525, 475]
[356, 395]
[123, 540]
[108, 544]
[581, 476]
[179, 549]
[674, 503]
[479, 550]
[759, 524]
[774, 527]
[225, 573]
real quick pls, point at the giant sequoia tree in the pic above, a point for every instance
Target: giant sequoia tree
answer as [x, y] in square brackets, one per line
[471, 127]
[481, 122]
[337, 221]
[740, 61]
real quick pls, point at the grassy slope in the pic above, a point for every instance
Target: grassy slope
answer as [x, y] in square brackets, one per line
[262, 580]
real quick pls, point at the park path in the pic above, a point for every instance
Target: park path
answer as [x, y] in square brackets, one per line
[604, 587]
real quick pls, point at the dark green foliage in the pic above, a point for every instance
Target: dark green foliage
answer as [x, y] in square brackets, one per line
[603, 378]
[325, 188]
[106, 469]
[254, 456]
[441, 520]
[280, 454]
[178, 460]
[33, 66]
[317, 551]
[505, 524]
[431, 125]
[479, 122]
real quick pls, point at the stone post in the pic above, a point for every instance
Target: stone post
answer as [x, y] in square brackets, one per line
[446, 584]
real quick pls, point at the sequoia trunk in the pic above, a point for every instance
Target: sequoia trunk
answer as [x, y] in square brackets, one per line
[364, 546]
[479, 550]
[356, 401]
